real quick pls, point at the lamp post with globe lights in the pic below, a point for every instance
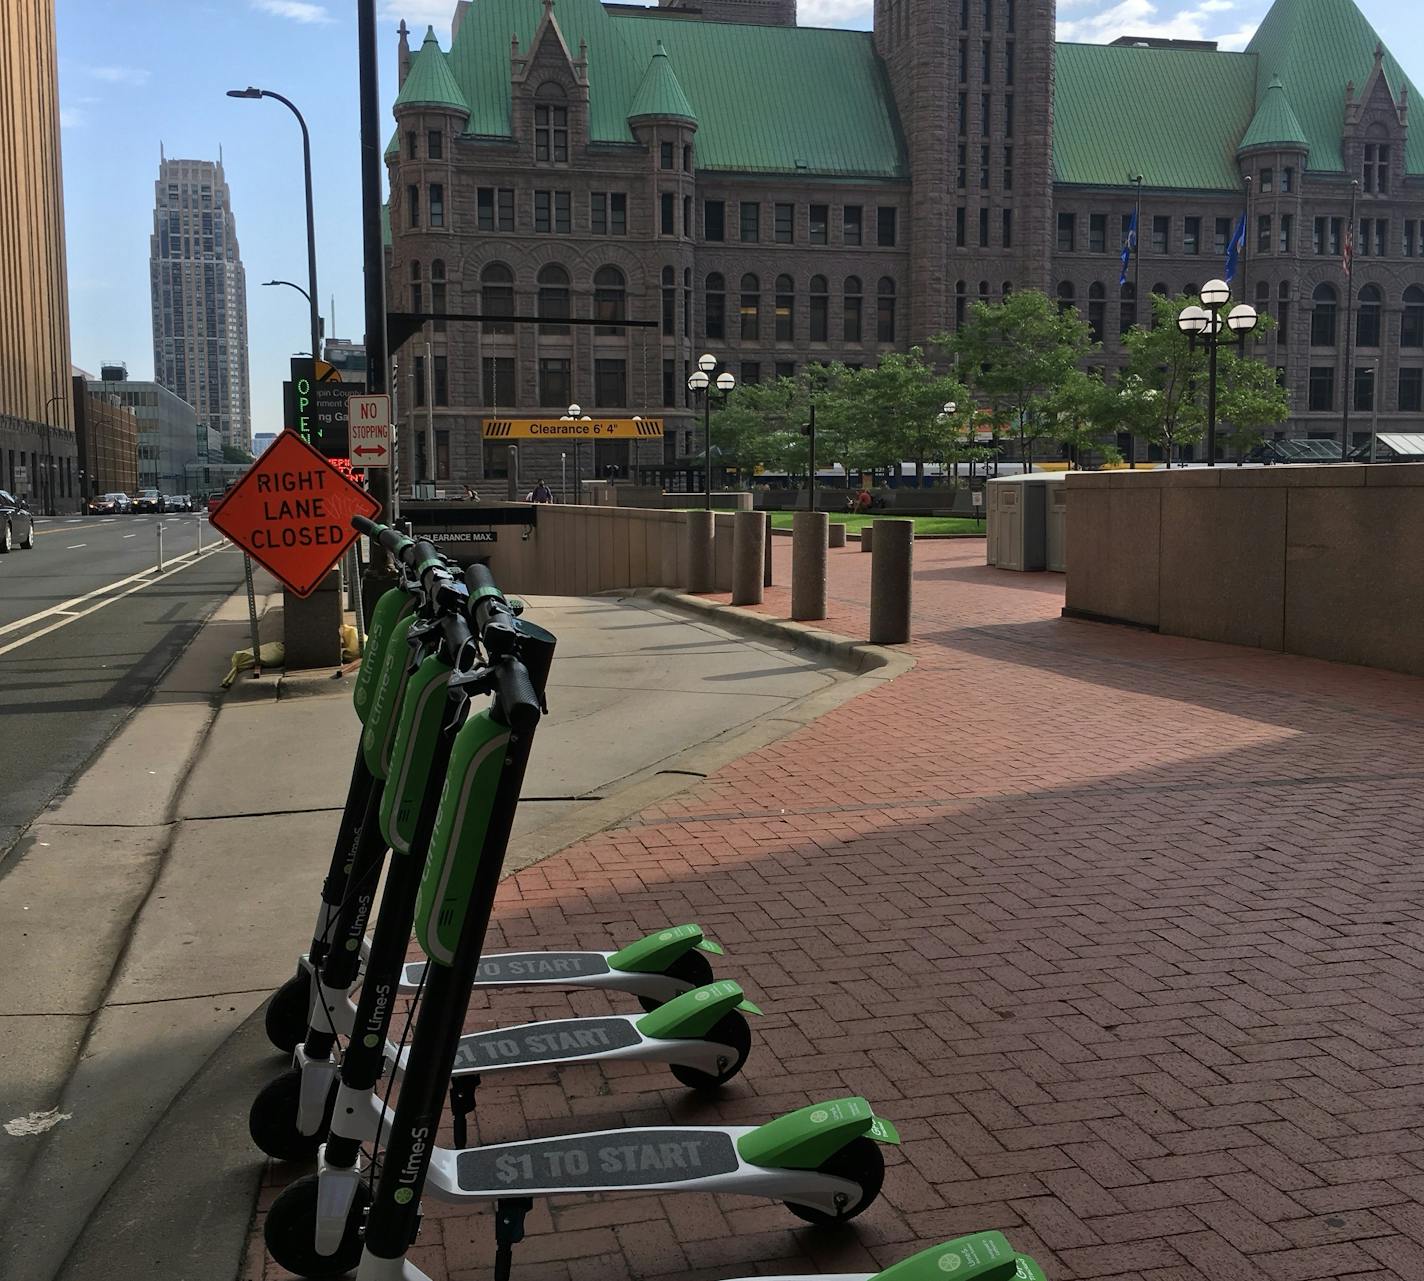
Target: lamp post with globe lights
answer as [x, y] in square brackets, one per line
[701, 384]
[1205, 322]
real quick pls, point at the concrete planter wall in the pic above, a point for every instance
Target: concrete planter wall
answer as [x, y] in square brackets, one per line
[1326, 561]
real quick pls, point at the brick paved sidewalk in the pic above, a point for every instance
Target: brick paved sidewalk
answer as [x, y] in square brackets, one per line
[1123, 931]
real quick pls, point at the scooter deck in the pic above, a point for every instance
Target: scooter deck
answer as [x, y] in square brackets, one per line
[587, 1040]
[653, 1159]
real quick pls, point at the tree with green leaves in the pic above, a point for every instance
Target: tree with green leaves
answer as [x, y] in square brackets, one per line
[899, 405]
[1016, 356]
[235, 454]
[1080, 413]
[1250, 398]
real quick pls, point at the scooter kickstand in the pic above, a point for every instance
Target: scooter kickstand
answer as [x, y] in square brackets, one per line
[508, 1232]
[462, 1103]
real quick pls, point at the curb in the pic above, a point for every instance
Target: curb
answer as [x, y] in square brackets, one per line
[853, 656]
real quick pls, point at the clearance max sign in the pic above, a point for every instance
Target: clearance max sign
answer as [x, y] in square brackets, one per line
[572, 429]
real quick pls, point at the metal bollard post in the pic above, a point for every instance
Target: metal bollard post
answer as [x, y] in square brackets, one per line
[766, 576]
[748, 557]
[160, 546]
[701, 552]
[199, 519]
[252, 616]
[808, 565]
[891, 569]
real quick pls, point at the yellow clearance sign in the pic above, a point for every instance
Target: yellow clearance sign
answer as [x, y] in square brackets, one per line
[572, 429]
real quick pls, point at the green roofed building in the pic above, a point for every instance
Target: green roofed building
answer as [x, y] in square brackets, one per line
[779, 195]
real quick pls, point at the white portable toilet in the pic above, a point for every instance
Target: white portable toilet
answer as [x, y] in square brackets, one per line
[1019, 508]
[1056, 524]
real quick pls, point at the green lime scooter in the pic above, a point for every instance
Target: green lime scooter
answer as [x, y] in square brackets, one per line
[985, 1256]
[822, 1161]
[704, 1041]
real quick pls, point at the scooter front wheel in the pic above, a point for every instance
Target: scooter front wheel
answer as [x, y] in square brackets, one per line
[287, 1011]
[272, 1119]
[693, 968]
[730, 1030]
[859, 1162]
[290, 1232]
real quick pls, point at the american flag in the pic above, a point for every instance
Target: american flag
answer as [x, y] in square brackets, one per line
[1347, 261]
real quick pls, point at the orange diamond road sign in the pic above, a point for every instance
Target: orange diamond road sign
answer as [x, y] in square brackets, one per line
[292, 512]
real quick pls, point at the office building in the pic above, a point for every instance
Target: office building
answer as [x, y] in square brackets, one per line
[199, 297]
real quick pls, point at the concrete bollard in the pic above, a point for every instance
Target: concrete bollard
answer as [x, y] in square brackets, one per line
[701, 552]
[837, 533]
[766, 577]
[891, 564]
[748, 557]
[808, 565]
[866, 542]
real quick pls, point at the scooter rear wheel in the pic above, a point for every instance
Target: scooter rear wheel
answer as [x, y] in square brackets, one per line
[272, 1119]
[731, 1030]
[860, 1162]
[287, 1011]
[290, 1232]
[693, 968]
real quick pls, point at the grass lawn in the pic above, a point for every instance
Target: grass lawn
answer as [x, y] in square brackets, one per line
[923, 524]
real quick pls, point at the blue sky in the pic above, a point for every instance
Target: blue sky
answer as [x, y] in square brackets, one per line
[137, 72]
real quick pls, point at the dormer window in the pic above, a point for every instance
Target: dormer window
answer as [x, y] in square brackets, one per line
[551, 127]
[1376, 174]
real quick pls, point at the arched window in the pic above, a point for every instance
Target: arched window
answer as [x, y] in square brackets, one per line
[820, 309]
[751, 307]
[610, 300]
[1065, 295]
[669, 302]
[785, 309]
[1369, 318]
[497, 296]
[1126, 307]
[1322, 316]
[437, 292]
[885, 310]
[1097, 310]
[551, 125]
[961, 303]
[716, 301]
[1411, 325]
[416, 294]
[554, 297]
[851, 297]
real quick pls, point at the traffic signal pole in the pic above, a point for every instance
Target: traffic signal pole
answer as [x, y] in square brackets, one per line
[380, 571]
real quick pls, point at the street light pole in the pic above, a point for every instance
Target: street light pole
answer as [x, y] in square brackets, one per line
[702, 385]
[51, 508]
[310, 290]
[1205, 322]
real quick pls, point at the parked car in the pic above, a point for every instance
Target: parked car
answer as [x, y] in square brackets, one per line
[16, 523]
[148, 500]
[109, 505]
[180, 502]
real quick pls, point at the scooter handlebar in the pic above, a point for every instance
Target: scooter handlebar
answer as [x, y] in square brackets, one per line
[515, 695]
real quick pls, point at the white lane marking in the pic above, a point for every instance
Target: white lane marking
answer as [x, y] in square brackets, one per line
[98, 591]
[73, 520]
[109, 600]
[74, 547]
[130, 535]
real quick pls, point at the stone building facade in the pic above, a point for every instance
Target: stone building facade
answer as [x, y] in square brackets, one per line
[778, 196]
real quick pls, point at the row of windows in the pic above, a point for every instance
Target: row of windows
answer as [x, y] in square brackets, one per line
[748, 320]
[986, 12]
[985, 217]
[986, 110]
[784, 223]
[961, 181]
[986, 61]
[1321, 389]
[1369, 317]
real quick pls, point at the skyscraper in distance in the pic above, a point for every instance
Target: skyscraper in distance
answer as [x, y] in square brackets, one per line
[199, 294]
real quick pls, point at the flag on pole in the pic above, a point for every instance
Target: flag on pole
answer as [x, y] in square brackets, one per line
[1347, 260]
[1235, 249]
[1129, 247]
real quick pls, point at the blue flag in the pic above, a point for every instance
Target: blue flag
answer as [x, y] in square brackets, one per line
[1129, 247]
[1235, 249]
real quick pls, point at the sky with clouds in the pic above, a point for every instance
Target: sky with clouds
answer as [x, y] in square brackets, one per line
[137, 73]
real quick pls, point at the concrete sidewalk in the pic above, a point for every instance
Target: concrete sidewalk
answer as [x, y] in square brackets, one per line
[1124, 932]
[156, 906]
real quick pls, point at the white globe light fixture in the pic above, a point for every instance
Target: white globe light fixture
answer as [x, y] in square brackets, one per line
[698, 381]
[574, 411]
[1192, 320]
[1215, 293]
[1241, 319]
[725, 382]
[707, 362]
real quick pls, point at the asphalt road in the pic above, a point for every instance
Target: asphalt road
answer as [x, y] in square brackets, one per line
[87, 628]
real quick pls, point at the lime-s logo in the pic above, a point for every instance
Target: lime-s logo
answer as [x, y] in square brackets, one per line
[820, 1116]
[947, 1262]
[403, 1196]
